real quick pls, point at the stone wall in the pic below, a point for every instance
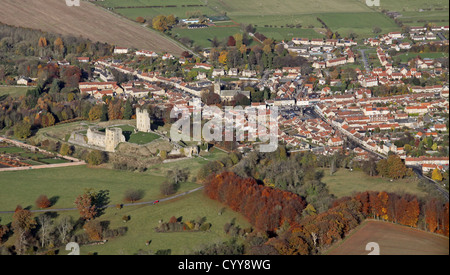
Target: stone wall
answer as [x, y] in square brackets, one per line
[95, 137]
[113, 137]
[106, 141]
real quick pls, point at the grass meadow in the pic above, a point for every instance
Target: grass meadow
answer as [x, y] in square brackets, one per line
[405, 57]
[203, 37]
[143, 218]
[13, 91]
[345, 182]
[63, 185]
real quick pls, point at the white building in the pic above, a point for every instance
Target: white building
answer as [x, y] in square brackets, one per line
[120, 50]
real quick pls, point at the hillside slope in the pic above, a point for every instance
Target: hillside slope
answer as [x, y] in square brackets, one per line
[87, 20]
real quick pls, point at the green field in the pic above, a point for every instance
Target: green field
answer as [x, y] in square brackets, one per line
[142, 138]
[130, 3]
[148, 13]
[145, 219]
[13, 91]
[439, 17]
[23, 187]
[203, 37]
[270, 17]
[280, 34]
[361, 23]
[412, 5]
[64, 184]
[405, 57]
[418, 12]
[345, 182]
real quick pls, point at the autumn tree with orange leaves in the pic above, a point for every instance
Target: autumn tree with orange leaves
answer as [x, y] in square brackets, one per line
[264, 207]
[43, 202]
[86, 206]
[437, 217]
[295, 231]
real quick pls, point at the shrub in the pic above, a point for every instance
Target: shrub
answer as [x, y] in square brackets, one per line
[95, 157]
[133, 195]
[66, 150]
[189, 225]
[205, 227]
[94, 230]
[43, 202]
[168, 188]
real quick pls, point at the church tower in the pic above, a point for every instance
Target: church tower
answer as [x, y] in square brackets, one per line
[217, 86]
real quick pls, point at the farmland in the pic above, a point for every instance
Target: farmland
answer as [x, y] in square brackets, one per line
[279, 20]
[282, 20]
[203, 37]
[412, 5]
[87, 21]
[392, 240]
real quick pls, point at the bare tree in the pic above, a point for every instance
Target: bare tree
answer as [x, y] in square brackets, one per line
[178, 175]
[46, 228]
[64, 227]
[133, 195]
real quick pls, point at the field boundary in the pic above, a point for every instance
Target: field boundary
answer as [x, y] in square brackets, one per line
[88, 20]
[365, 223]
[72, 161]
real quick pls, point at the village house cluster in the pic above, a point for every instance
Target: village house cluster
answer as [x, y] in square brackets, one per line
[317, 112]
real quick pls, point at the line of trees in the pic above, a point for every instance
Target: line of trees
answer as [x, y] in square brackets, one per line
[266, 208]
[45, 234]
[18, 44]
[292, 227]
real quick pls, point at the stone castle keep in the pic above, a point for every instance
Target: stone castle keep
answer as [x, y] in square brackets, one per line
[143, 122]
[106, 141]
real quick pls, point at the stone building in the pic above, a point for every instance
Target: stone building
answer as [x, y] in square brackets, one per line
[143, 122]
[228, 94]
[107, 140]
[113, 136]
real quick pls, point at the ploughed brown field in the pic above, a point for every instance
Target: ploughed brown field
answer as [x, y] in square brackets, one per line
[87, 20]
[392, 239]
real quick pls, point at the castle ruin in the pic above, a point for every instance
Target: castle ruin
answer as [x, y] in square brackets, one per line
[143, 122]
[107, 140]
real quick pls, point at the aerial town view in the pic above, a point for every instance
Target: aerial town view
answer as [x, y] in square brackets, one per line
[225, 128]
